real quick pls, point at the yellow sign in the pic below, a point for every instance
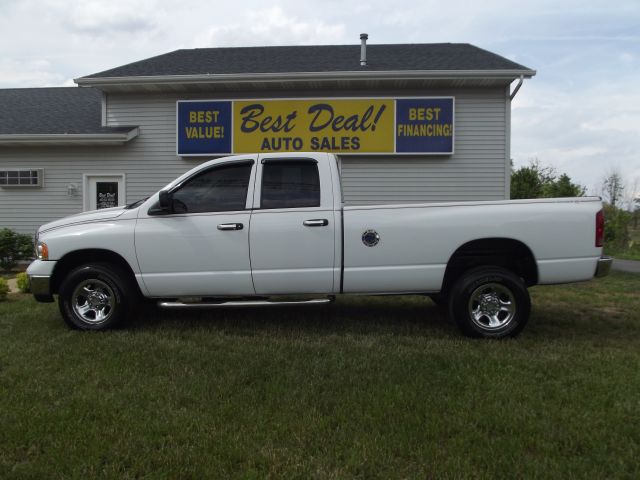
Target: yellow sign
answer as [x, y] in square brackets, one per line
[340, 126]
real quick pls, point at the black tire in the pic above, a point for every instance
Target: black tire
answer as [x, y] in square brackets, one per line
[96, 290]
[490, 302]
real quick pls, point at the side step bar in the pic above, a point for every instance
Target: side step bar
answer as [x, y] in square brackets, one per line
[244, 303]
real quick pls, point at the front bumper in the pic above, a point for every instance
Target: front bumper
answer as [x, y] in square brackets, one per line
[604, 266]
[40, 273]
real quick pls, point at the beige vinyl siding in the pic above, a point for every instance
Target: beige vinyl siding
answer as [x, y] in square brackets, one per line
[24, 209]
[475, 172]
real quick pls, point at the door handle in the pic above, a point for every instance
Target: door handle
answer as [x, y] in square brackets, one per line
[230, 226]
[317, 222]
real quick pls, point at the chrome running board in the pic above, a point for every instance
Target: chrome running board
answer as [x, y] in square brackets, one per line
[244, 303]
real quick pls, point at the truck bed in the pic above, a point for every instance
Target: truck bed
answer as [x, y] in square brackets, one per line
[559, 232]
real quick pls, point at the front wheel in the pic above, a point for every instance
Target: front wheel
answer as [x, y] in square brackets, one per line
[95, 297]
[490, 302]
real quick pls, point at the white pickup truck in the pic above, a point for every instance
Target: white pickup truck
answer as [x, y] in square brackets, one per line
[241, 230]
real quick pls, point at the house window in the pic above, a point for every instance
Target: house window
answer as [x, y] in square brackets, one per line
[21, 178]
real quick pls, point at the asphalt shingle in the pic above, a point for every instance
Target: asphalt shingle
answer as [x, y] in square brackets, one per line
[71, 110]
[315, 58]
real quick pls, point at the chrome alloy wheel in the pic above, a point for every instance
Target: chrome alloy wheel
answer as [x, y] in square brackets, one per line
[492, 306]
[93, 301]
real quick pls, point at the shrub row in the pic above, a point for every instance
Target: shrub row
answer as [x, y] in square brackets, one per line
[13, 247]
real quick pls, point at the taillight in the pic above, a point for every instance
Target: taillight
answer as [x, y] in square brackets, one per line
[600, 228]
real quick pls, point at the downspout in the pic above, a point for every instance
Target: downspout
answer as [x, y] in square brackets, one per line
[507, 177]
[517, 87]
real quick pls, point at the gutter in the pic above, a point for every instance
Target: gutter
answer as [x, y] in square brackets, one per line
[69, 138]
[305, 76]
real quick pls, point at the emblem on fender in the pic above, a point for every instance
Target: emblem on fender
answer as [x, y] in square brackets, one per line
[370, 238]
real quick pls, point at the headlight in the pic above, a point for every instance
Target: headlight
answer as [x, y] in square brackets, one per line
[42, 251]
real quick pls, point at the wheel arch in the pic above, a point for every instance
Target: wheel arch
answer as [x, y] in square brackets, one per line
[93, 255]
[509, 253]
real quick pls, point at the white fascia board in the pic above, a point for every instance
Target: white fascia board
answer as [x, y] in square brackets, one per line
[305, 76]
[68, 138]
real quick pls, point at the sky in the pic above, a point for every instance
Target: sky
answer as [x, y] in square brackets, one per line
[580, 114]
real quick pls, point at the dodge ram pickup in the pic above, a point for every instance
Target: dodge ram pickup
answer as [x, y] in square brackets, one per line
[242, 230]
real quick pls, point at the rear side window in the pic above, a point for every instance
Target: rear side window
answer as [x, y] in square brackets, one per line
[220, 189]
[290, 184]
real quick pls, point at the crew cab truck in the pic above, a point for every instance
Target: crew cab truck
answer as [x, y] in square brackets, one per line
[241, 230]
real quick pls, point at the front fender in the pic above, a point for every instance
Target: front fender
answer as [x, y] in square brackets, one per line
[116, 236]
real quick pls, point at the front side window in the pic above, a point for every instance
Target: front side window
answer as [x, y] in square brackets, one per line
[220, 189]
[290, 184]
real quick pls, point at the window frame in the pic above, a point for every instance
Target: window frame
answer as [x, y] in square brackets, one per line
[154, 210]
[39, 177]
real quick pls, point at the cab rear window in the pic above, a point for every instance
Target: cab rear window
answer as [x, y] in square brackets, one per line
[290, 184]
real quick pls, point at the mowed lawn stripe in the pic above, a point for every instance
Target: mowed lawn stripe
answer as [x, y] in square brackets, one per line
[371, 387]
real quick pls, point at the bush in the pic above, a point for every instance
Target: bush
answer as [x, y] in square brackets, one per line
[616, 227]
[22, 280]
[13, 247]
[538, 181]
[4, 289]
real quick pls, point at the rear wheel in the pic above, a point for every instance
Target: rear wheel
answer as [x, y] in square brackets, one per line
[96, 297]
[490, 302]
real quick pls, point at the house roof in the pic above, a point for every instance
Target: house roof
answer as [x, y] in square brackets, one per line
[48, 115]
[314, 67]
[316, 58]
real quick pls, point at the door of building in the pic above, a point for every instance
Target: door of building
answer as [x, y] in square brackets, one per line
[104, 191]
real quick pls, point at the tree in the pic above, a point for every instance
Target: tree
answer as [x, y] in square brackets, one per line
[620, 210]
[525, 183]
[616, 227]
[613, 188]
[539, 181]
[563, 187]
[632, 200]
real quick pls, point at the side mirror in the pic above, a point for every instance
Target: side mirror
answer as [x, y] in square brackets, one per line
[165, 200]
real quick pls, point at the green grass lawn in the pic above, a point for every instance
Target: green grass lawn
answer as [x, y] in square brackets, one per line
[629, 253]
[366, 388]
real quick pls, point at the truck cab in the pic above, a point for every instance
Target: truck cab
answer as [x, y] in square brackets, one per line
[246, 225]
